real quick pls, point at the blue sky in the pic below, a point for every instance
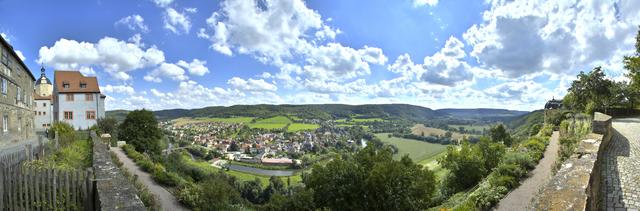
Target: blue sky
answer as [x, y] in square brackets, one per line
[161, 54]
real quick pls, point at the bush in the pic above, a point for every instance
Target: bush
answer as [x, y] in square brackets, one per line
[487, 196]
[65, 132]
[523, 160]
[167, 178]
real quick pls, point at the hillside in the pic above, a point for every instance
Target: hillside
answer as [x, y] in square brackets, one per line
[316, 111]
[522, 124]
[482, 113]
[332, 111]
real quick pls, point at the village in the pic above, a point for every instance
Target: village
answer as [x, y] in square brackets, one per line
[238, 142]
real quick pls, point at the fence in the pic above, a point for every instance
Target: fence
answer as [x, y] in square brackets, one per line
[29, 188]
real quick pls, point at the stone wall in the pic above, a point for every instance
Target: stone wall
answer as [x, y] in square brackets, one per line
[114, 191]
[576, 186]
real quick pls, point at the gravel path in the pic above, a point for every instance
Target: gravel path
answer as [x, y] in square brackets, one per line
[166, 199]
[621, 169]
[519, 198]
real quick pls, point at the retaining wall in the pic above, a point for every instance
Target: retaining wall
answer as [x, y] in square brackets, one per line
[576, 186]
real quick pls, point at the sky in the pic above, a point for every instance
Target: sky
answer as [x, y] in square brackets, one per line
[164, 54]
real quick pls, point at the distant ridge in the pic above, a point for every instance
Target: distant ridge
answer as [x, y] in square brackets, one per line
[327, 111]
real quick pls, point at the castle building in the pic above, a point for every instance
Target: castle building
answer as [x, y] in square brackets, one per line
[16, 97]
[43, 103]
[77, 99]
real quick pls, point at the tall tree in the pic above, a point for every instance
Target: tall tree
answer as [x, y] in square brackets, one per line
[590, 92]
[499, 134]
[140, 129]
[632, 64]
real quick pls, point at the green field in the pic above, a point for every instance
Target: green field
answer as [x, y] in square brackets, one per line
[271, 123]
[367, 120]
[295, 127]
[418, 150]
[186, 120]
[264, 180]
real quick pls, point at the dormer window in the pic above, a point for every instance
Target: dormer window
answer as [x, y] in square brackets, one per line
[83, 85]
[65, 84]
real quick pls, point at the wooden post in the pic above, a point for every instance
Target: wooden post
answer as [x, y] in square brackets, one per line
[54, 187]
[66, 189]
[38, 194]
[89, 201]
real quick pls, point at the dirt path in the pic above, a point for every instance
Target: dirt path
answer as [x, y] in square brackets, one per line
[166, 199]
[519, 198]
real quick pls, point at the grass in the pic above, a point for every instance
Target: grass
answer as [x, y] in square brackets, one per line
[295, 127]
[271, 123]
[420, 129]
[433, 165]
[367, 120]
[418, 150]
[264, 180]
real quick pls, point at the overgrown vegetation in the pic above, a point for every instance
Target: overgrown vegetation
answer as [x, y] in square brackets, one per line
[140, 129]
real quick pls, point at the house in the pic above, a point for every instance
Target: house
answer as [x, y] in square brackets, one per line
[16, 96]
[77, 99]
[553, 104]
[43, 103]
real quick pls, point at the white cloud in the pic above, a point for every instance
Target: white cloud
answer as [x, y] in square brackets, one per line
[336, 62]
[446, 67]
[162, 3]
[272, 31]
[134, 23]
[176, 22]
[251, 84]
[420, 3]
[119, 89]
[5, 36]
[524, 37]
[196, 67]
[166, 70]
[136, 39]
[116, 57]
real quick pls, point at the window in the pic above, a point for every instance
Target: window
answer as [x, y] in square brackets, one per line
[65, 84]
[44, 113]
[69, 97]
[91, 115]
[19, 94]
[83, 85]
[5, 123]
[88, 97]
[44, 104]
[4, 86]
[5, 57]
[19, 123]
[39, 113]
[68, 115]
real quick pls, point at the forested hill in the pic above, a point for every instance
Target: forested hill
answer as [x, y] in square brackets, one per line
[523, 124]
[329, 111]
[316, 111]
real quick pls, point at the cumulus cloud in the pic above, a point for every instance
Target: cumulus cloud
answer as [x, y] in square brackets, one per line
[162, 3]
[524, 37]
[166, 70]
[196, 67]
[334, 61]
[20, 55]
[115, 56]
[119, 89]
[273, 31]
[176, 22]
[134, 23]
[420, 3]
[251, 84]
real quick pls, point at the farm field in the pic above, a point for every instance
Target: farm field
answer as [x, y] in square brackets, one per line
[418, 151]
[264, 180]
[271, 123]
[295, 127]
[187, 120]
[419, 129]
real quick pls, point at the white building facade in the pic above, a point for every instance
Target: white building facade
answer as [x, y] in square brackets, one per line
[77, 99]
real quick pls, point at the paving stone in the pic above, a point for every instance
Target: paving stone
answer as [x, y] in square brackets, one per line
[621, 167]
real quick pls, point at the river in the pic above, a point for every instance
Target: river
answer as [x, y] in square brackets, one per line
[265, 172]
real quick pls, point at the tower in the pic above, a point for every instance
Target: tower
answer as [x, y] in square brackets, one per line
[44, 87]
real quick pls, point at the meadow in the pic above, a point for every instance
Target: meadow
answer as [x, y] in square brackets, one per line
[420, 129]
[295, 127]
[187, 120]
[271, 123]
[472, 127]
[418, 151]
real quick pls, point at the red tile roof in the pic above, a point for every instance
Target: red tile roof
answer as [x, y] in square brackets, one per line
[74, 79]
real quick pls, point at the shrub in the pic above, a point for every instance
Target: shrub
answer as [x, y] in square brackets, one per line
[487, 196]
[65, 132]
[523, 160]
[512, 170]
[170, 179]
